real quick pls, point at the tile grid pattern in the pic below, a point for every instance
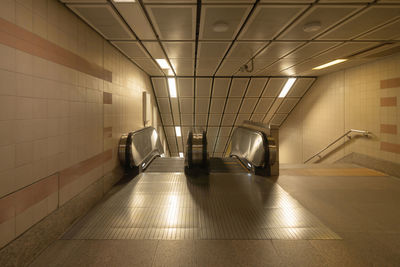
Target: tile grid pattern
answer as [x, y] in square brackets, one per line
[284, 50]
[168, 206]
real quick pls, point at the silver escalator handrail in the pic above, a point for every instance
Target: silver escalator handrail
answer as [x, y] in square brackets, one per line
[361, 132]
[138, 148]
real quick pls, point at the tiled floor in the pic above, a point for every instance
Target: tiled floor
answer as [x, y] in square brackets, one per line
[362, 210]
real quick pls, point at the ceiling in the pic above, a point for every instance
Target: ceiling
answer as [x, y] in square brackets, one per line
[206, 42]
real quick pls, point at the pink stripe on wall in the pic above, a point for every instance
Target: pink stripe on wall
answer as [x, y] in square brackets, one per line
[21, 39]
[107, 132]
[388, 101]
[107, 98]
[7, 208]
[390, 147]
[35, 193]
[389, 128]
[390, 83]
[71, 174]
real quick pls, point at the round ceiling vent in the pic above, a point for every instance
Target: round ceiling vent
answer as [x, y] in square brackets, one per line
[220, 26]
[312, 26]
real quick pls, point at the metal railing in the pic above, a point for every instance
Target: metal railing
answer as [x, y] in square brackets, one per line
[363, 133]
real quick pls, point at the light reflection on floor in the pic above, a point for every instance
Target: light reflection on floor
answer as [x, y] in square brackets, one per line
[221, 206]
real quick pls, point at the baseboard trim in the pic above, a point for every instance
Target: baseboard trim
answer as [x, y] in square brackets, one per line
[384, 166]
[25, 248]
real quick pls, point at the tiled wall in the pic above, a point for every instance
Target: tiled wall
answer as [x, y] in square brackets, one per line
[366, 97]
[66, 96]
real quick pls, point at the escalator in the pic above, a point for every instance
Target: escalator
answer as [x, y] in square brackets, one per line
[197, 197]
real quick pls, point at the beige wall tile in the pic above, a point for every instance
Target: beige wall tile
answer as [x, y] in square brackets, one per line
[7, 83]
[7, 157]
[7, 107]
[348, 99]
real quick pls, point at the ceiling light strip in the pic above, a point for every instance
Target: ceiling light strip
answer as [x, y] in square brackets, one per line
[288, 85]
[334, 62]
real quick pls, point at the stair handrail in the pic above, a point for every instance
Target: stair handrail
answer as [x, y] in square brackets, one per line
[362, 132]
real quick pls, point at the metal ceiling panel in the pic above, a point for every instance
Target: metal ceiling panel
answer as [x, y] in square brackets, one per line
[187, 120]
[174, 105]
[228, 119]
[136, 19]
[160, 87]
[231, 16]
[177, 119]
[214, 119]
[212, 131]
[104, 19]
[154, 49]
[273, 87]
[311, 49]
[164, 105]
[263, 105]
[256, 86]
[342, 51]
[244, 51]
[217, 105]
[212, 50]
[185, 87]
[281, 64]
[169, 1]
[248, 105]
[149, 66]
[179, 49]
[277, 119]
[202, 105]
[287, 1]
[287, 105]
[228, 1]
[326, 16]
[232, 105]
[300, 87]
[84, 1]
[206, 67]
[276, 50]
[183, 67]
[225, 131]
[345, 1]
[221, 87]
[173, 22]
[201, 120]
[221, 143]
[167, 119]
[203, 87]
[240, 118]
[238, 87]
[370, 18]
[272, 17]
[273, 110]
[388, 32]
[257, 117]
[169, 131]
[186, 105]
[131, 49]
[229, 67]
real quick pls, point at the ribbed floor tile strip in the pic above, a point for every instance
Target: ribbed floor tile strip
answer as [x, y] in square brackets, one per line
[223, 206]
[166, 165]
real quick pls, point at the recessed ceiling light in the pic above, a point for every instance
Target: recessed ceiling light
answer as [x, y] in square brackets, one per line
[287, 87]
[312, 26]
[172, 87]
[178, 131]
[336, 61]
[162, 63]
[220, 26]
[181, 154]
